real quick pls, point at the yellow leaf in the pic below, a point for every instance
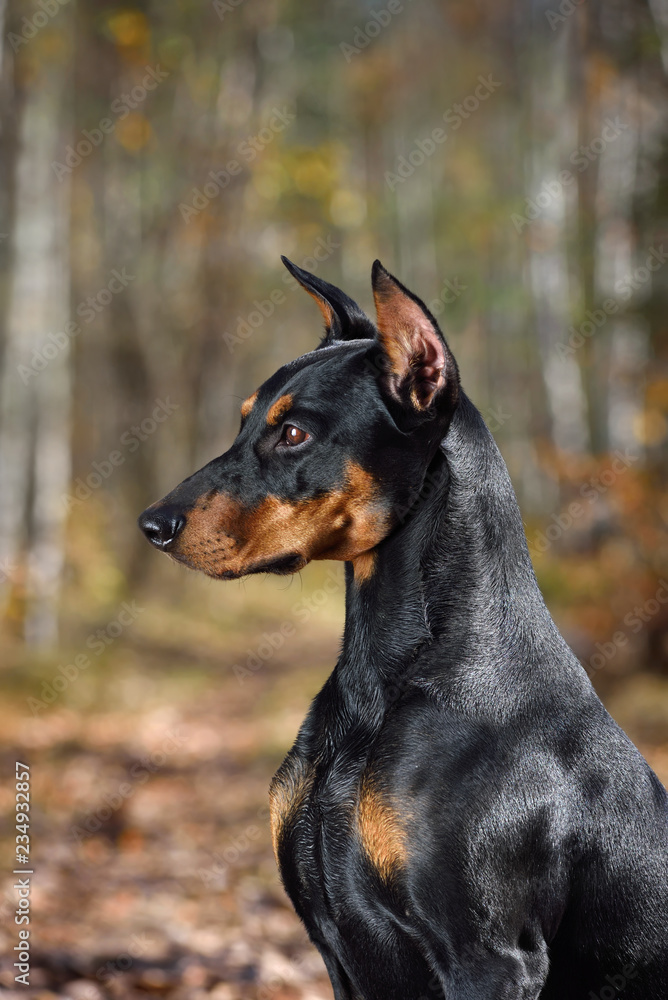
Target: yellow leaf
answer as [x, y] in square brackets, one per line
[133, 132]
[129, 28]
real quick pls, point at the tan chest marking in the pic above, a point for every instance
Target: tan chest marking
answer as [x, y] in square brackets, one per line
[290, 787]
[381, 830]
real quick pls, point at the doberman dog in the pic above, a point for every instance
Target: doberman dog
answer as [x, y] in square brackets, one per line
[459, 817]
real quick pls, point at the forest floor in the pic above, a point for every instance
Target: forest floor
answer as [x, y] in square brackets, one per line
[153, 869]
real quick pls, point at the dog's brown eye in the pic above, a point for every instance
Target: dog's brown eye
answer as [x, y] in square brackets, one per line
[294, 435]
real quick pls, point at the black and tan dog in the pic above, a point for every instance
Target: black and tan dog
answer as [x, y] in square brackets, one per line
[459, 817]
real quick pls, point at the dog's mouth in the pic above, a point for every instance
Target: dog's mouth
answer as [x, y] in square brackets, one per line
[283, 565]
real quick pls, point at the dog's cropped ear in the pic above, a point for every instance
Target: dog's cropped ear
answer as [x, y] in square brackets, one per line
[417, 366]
[344, 320]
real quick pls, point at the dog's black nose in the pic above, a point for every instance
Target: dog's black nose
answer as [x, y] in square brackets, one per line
[161, 526]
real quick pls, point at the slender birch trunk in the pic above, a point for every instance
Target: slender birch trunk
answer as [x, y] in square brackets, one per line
[35, 383]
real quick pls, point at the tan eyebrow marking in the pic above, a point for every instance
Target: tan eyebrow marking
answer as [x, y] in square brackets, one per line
[248, 405]
[278, 409]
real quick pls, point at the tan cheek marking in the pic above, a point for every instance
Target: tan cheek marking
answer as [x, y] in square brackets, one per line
[278, 526]
[278, 409]
[248, 405]
[290, 787]
[368, 520]
[339, 525]
[381, 832]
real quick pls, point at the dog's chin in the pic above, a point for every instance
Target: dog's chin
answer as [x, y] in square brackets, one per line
[283, 565]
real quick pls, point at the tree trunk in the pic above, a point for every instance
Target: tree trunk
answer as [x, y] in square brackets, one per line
[35, 386]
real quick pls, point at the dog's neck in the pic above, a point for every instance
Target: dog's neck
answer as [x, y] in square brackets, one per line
[455, 575]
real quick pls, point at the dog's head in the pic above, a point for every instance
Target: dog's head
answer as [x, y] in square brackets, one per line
[329, 449]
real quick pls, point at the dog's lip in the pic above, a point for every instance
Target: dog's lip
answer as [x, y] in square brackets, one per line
[289, 562]
[176, 557]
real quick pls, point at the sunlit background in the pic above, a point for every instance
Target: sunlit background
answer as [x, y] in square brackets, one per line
[507, 160]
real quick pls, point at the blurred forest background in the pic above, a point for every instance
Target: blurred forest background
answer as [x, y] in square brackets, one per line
[508, 161]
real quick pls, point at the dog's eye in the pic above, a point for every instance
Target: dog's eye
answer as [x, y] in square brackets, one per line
[294, 435]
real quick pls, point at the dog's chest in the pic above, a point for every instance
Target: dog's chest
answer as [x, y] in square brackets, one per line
[328, 822]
